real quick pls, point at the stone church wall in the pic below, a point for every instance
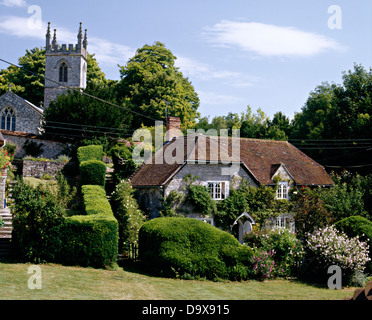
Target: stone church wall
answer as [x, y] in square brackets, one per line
[51, 149]
[27, 118]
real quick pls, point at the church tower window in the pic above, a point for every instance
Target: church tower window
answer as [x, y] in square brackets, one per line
[63, 72]
[8, 119]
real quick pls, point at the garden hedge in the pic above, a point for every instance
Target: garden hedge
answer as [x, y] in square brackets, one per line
[91, 239]
[92, 172]
[190, 248]
[93, 152]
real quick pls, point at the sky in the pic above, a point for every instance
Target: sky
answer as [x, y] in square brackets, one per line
[267, 54]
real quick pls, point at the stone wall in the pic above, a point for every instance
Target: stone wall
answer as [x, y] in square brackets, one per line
[51, 148]
[37, 169]
[150, 198]
[2, 189]
[209, 172]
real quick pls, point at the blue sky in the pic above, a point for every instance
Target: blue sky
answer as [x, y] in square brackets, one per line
[266, 54]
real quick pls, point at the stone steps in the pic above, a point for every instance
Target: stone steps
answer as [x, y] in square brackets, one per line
[5, 234]
[6, 230]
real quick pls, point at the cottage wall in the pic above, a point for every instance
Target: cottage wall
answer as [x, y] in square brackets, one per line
[284, 176]
[209, 172]
[150, 200]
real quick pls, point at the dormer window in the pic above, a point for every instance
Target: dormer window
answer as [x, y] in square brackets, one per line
[63, 72]
[219, 190]
[282, 191]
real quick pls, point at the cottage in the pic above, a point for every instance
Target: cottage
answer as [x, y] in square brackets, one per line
[219, 163]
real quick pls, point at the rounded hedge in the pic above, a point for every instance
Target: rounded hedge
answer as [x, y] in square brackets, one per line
[92, 152]
[93, 172]
[190, 248]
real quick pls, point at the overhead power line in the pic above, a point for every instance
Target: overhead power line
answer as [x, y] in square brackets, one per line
[82, 92]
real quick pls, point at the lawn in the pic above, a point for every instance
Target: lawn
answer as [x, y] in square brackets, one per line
[76, 283]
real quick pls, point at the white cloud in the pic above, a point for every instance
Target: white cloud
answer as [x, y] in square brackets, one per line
[202, 71]
[106, 52]
[268, 40]
[19, 27]
[212, 98]
[14, 3]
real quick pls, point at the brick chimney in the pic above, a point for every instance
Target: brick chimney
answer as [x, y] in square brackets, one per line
[173, 128]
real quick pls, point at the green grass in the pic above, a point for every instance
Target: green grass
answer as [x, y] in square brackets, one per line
[76, 283]
[52, 183]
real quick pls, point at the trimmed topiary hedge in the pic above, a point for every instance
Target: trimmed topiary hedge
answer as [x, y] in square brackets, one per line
[92, 172]
[190, 248]
[93, 152]
[92, 240]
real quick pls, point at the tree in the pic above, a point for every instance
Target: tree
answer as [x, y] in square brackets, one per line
[74, 114]
[30, 86]
[151, 82]
[334, 112]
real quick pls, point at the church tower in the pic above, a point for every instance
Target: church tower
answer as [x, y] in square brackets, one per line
[65, 65]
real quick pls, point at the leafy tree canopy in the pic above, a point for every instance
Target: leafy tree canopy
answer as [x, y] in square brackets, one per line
[150, 81]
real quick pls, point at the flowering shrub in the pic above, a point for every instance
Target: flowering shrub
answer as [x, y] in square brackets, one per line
[264, 266]
[328, 246]
[128, 214]
[284, 246]
[4, 160]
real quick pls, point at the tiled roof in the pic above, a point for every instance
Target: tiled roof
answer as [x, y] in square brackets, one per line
[261, 157]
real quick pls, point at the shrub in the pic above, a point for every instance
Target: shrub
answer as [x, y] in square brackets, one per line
[199, 197]
[285, 249]
[92, 152]
[124, 165]
[92, 172]
[42, 233]
[358, 226]
[309, 212]
[190, 248]
[37, 221]
[95, 201]
[328, 246]
[264, 266]
[91, 240]
[4, 160]
[128, 214]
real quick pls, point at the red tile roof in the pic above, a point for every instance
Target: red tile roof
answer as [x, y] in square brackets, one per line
[261, 157]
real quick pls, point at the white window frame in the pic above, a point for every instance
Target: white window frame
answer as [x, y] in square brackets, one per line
[216, 189]
[283, 190]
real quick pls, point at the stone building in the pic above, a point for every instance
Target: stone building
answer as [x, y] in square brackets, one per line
[220, 164]
[65, 66]
[18, 114]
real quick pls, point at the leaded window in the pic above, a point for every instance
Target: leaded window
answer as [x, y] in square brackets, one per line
[8, 119]
[63, 72]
